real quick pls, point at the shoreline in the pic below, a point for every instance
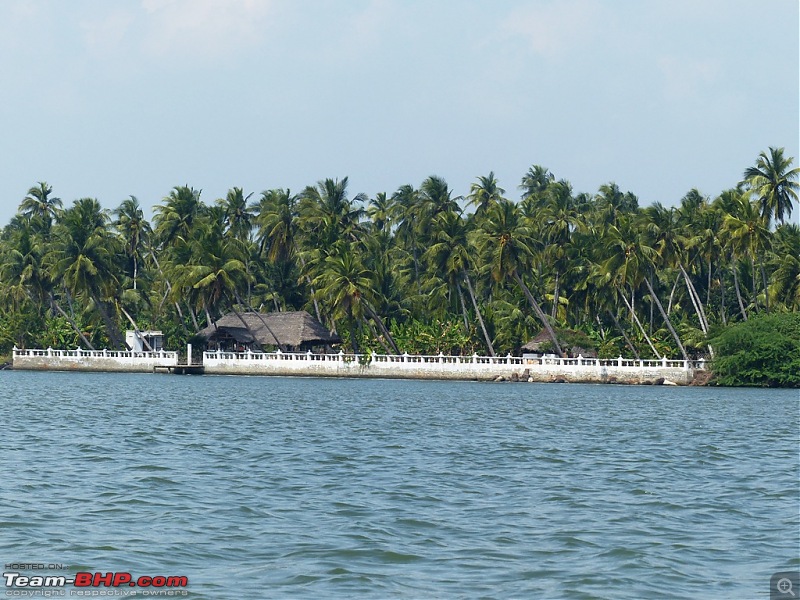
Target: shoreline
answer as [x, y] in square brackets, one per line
[546, 369]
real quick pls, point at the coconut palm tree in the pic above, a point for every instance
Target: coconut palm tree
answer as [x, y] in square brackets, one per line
[381, 213]
[134, 230]
[485, 192]
[507, 245]
[774, 183]
[216, 270]
[535, 181]
[346, 286]
[450, 256]
[747, 233]
[85, 256]
[38, 205]
[785, 289]
[558, 219]
[175, 217]
[238, 216]
[276, 222]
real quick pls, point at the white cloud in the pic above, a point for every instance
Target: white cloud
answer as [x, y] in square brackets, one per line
[556, 27]
[205, 28]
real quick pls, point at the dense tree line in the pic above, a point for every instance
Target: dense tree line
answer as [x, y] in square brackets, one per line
[418, 270]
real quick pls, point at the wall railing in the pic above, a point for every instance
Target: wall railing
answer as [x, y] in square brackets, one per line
[442, 359]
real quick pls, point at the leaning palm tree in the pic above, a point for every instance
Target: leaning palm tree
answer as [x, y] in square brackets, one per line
[630, 262]
[347, 287]
[507, 243]
[774, 183]
[449, 254]
[215, 270]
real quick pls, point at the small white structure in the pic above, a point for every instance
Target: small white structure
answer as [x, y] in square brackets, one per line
[136, 340]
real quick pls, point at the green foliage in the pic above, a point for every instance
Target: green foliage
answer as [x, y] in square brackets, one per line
[663, 278]
[764, 351]
[447, 337]
[58, 333]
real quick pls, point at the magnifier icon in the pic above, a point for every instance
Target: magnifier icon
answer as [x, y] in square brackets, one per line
[784, 586]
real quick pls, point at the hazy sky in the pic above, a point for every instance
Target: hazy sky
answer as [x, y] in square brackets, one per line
[132, 97]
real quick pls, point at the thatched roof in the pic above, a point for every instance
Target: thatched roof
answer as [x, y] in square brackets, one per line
[570, 341]
[272, 329]
[536, 343]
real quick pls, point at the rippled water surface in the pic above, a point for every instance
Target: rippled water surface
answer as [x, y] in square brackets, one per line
[310, 488]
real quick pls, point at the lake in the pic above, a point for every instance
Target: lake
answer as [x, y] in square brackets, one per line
[256, 487]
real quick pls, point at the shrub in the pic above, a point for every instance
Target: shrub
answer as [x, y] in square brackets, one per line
[764, 351]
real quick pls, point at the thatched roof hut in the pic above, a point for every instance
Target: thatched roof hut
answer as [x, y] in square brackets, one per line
[293, 331]
[574, 343]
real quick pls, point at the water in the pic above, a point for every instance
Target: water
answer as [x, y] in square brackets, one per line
[309, 488]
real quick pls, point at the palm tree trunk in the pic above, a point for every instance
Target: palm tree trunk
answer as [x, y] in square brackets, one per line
[639, 324]
[310, 287]
[738, 292]
[136, 330]
[260, 318]
[555, 297]
[624, 335]
[666, 319]
[695, 300]
[194, 317]
[246, 326]
[463, 308]
[374, 316]
[764, 280]
[539, 313]
[111, 328]
[672, 294]
[478, 313]
[71, 322]
[723, 308]
[169, 292]
[353, 341]
[378, 337]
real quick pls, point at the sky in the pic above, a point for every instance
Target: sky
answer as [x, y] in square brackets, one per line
[134, 97]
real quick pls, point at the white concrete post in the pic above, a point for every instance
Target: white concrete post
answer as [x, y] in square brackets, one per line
[188, 354]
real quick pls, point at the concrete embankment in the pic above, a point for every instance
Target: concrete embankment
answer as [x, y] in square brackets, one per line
[110, 361]
[461, 368]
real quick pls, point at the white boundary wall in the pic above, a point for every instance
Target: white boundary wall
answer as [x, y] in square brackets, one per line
[480, 368]
[404, 366]
[112, 361]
